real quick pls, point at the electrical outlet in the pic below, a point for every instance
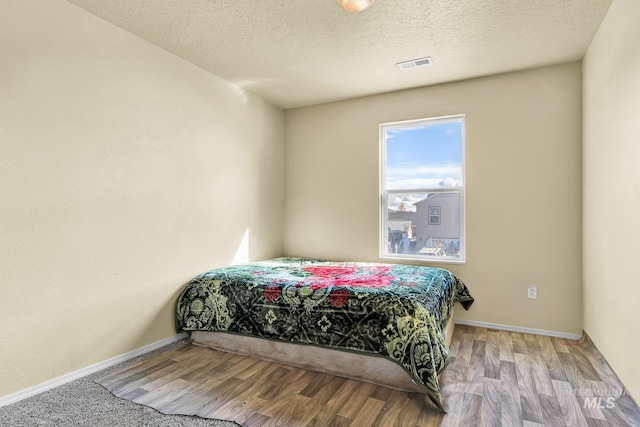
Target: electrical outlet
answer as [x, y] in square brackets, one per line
[532, 292]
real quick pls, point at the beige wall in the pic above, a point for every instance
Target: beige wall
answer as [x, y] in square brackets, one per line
[612, 191]
[124, 172]
[523, 152]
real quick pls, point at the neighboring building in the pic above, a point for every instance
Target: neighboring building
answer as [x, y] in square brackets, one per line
[434, 224]
[437, 222]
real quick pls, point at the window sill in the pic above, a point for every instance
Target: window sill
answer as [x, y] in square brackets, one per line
[430, 260]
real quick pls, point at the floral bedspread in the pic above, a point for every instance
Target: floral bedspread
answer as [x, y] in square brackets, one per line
[394, 311]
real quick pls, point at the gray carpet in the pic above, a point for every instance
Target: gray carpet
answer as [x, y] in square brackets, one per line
[83, 402]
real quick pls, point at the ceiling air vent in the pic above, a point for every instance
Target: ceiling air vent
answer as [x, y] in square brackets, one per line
[414, 63]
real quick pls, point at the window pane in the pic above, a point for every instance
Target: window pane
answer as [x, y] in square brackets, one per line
[425, 156]
[424, 224]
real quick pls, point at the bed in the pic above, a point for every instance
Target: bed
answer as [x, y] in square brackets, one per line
[382, 323]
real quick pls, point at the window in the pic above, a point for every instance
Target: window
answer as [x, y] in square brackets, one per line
[434, 215]
[422, 189]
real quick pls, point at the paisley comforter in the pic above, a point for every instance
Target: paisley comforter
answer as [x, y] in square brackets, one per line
[393, 311]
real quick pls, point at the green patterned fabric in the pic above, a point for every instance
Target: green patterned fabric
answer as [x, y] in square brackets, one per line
[393, 311]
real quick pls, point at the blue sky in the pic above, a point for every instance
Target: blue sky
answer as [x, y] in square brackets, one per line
[426, 156]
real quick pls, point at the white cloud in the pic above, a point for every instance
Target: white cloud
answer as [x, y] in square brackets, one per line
[424, 177]
[450, 182]
[408, 183]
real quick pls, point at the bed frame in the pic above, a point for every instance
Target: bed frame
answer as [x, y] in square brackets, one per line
[374, 369]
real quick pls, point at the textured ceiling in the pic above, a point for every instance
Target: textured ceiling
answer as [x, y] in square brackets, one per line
[303, 52]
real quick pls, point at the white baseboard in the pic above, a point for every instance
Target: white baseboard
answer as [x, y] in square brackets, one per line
[47, 385]
[517, 329]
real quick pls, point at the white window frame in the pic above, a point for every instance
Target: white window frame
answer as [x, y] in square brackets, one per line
[460, 258]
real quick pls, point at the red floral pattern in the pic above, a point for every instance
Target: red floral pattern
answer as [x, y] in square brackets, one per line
[330, 270]
[338, 298]
[271, 293]
[331, 275]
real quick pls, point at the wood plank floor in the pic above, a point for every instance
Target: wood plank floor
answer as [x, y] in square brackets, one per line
[495, 378]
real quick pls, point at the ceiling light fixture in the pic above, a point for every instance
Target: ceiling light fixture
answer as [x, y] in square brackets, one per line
[355, 5]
